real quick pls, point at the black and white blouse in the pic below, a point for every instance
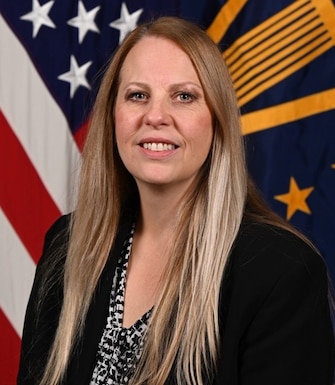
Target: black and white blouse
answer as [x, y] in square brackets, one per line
[120, 348]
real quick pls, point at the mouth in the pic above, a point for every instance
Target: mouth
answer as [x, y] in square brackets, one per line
[158, 147]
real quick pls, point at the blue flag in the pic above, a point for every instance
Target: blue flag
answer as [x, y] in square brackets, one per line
[281, 57]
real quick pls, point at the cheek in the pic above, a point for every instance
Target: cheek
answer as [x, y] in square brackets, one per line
[118, 137]
[205, 133]
[126, 122]
[122, 127]
[125, 134]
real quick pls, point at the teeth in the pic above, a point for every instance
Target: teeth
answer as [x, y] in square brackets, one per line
[158, 146]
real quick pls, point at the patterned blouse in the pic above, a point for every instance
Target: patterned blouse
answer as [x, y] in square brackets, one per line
[120, 348]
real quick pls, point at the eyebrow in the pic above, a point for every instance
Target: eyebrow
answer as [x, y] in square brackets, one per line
[172, 86]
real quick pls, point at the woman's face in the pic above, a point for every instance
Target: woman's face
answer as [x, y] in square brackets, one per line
[163, 124]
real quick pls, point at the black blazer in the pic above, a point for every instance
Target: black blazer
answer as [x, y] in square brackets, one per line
[274, 313]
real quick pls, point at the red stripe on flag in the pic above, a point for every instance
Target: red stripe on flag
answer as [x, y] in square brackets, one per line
[80, 135]
[23, 197]
[9, 352]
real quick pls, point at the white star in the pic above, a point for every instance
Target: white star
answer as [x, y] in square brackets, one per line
[76, 76]
[84, 21]
[39, 16]
[127, 22]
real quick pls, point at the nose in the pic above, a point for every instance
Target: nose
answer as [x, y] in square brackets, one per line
[157, 113]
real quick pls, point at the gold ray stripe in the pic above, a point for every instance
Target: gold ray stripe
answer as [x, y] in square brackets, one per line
[251, 61]
[326, 9]
[267, 28]
[224, 19]
[288, 112]
[280, 60]
[289, 34]
[279, 73]
[281, 45]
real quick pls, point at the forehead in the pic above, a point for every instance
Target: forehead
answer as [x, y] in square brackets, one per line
[157, 56]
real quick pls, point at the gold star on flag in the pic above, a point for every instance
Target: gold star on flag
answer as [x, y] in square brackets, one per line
[295, 199]
[333, 165]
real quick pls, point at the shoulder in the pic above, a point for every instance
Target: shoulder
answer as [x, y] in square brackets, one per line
[263, 244]
[51, 264]
[274, 309]
[50, 268]
[56, 241]
[58, 232]
[266, 258]
[59, 225]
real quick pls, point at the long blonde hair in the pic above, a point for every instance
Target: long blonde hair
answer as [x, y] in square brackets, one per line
[184, 332]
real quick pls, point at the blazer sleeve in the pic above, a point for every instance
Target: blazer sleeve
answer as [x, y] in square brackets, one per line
[42, 313]
[279, 318]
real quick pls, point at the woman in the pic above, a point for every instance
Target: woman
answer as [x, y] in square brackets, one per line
[173, 270]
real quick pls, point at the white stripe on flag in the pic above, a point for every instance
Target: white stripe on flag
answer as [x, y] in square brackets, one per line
[37, 120]
[17, 271]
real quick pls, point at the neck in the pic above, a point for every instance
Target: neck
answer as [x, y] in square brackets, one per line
[159, 209]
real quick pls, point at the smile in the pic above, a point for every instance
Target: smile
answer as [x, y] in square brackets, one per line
[158, 146]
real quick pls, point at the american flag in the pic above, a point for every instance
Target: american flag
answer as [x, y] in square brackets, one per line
[52, 53]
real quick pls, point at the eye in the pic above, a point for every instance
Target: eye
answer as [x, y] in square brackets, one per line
[137, 96]
[186, 97]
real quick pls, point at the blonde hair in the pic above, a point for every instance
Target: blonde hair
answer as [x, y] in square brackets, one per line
[184, 331]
